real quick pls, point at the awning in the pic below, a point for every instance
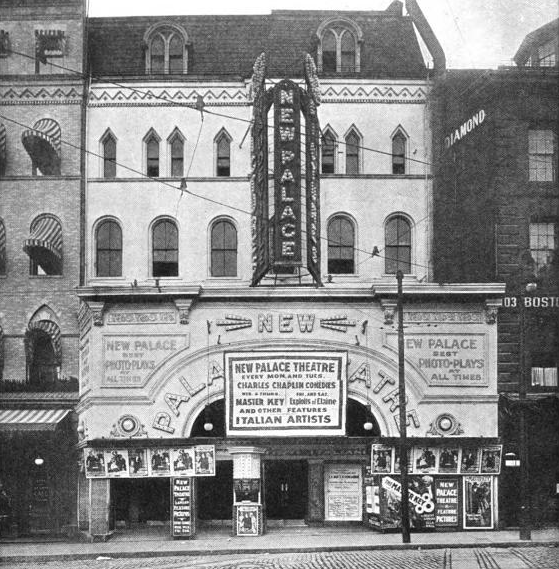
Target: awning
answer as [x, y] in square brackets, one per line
[50, 328]
[1, 349]
[2, 149]
[44, 245]
[42, 143]
[31, 419]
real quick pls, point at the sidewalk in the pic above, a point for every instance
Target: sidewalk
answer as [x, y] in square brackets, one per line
[276, 541]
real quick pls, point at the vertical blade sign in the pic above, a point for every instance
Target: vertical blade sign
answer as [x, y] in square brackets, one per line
[287, 174]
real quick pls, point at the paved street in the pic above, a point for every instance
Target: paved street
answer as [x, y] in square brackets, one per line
[466, 558]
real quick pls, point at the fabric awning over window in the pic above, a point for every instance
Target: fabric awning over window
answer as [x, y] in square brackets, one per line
[31, 419]
[44, 245]
[42, 143]
[2, 149]
[50, 328]
[1, 349]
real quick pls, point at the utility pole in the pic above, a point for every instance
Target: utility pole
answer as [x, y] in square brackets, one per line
[403, 414]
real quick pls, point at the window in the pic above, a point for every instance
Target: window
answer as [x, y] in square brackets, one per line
[223, 154]
[397, 245]
[223, 249]
[339, 46]
[544, 370]
[341, 246]
[546, 55]
[542, 155]
[542, 244]
[2, 249]
[43, 366]
[399, 153]
[353, 142]
[108, 261]
[176, 148]
[48, 44]
[152, 154]
[4, 43]
[109, 156]
[165, 242]
[166, 53]
[328, 152]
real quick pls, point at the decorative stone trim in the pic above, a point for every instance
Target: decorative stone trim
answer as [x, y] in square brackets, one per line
[184, 306]
[97, 308]
[445, 424]
[389, 309]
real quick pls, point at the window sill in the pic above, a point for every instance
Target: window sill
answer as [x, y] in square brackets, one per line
[40, 277]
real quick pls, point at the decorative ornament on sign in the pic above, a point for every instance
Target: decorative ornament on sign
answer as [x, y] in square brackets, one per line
[128, 426]
[445, 424]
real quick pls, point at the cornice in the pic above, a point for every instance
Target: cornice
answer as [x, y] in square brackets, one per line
[41, 95]
[434, 289]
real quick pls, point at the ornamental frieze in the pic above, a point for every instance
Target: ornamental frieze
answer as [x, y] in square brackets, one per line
[40, 95]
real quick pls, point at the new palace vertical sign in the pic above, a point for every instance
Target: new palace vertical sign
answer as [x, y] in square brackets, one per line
[287, 174]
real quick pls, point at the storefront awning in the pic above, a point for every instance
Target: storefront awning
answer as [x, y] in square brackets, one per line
[44, 245]
[42, 143]
[31, 419]
[2, 149]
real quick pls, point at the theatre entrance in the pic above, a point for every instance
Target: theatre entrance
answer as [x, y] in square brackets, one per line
[214, 496]
[285, 489]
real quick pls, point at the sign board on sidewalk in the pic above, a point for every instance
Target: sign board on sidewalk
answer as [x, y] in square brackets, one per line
[182, 518]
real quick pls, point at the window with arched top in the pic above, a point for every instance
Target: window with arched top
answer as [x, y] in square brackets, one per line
[108, 249]
[108, 144]
[223, 249]
[352, 153]
[166, 50]
[151, 142]
[165, 249]
[339, 46]
[341, 245]
[176, 153]
[223, 154]
[328, 152]
[397, 245]
[43, 348]
[399, 142]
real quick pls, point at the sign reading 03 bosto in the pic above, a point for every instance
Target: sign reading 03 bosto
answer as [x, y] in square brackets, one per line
[285, 394]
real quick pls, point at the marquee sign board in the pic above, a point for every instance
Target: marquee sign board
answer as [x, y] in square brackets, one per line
[278, 394]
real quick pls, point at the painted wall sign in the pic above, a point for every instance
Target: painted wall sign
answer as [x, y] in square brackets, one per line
[531, 301]
[446, 502]
[182, 523]
[343, 492]
[464, 129]
[129, 359]
[461, 317]
[142, 317]
[447, 359]
[301, 393]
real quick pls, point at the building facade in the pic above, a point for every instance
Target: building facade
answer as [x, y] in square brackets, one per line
[497, 211]
[41, 186]
[253, 186]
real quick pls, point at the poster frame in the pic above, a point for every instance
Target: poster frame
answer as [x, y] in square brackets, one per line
[487, 478]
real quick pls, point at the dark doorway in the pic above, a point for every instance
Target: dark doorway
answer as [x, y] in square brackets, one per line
[215, 494]
[286, 489]
[139, 501]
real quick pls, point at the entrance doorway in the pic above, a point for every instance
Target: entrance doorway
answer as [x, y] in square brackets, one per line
[136, 503]
[214, 499]
[285, 489]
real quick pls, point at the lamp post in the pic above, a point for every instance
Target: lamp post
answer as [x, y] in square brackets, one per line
[403, 417]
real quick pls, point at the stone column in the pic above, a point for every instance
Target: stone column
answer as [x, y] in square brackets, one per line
[316, 492]
[83, 501]
[99, 498]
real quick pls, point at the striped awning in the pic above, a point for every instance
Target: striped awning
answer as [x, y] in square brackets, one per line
[1, 349]
[42, 143]
[48, 327]
[44, 245]
[31, 419]
[2, 249]
[2, 149]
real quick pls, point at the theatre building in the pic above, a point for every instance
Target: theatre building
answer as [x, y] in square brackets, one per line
[238, 347]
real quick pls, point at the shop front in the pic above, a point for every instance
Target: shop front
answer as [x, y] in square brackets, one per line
[255, 416]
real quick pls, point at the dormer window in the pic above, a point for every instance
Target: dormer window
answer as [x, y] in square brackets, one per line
[166, 50]
[339, 46]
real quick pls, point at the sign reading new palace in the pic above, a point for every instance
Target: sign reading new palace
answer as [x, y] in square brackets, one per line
[278, 394]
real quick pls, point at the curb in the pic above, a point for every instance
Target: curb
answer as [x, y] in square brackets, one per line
[272, 550]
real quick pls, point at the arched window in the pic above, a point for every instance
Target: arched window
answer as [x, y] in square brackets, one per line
[109, 156]
[223, 154]
[328, 152]
[341, 246]
[165, 249]
[44, 246]
[399, 153]
[2, 248]
[166, 50]
[223, 249]
[108, 258]
[339, 46]
[152, 154]
[176, 151]
[352, 144]
[43, 349]
[397, 245]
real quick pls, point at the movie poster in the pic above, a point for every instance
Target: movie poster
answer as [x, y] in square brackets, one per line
[491, 460]
[204, 460]
[381, 459]
[397, 460]
[160, 462]
[425, 460]
[247, 520]
[117, 463]
[137, 462]
[94, 463]
[478, 502]
[470, 461]
[182, 460]
[448, 460]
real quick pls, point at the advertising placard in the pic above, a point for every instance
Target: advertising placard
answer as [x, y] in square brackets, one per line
[95, 464]
[247, 520]
[204, 460]
[137, 462]
[181, 503]
[381, 459]
[491, 459]
[182, 460]
[117, 463]
[470, 461]
[425, 459]
[160, 462]
[478, 502]
[279, 394]
[448, 460]
[343, 492]
[446, 502]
